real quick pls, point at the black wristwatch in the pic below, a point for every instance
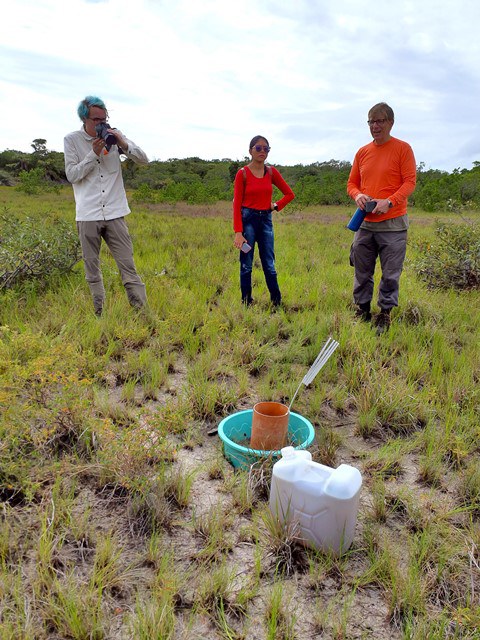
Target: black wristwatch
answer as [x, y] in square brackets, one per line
[275, 206]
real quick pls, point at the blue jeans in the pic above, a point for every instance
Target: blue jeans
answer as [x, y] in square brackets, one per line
[258, 228]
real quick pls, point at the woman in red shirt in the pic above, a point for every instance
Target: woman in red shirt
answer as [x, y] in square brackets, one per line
[252, 217]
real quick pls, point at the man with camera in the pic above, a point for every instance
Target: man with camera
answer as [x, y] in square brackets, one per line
[382, 177]
[92, 165]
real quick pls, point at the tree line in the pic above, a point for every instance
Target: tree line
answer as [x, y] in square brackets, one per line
[199, 181]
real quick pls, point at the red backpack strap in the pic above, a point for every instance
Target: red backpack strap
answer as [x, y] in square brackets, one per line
[269, 168]
[244, 175]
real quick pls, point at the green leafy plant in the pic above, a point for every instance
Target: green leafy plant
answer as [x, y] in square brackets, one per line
[32, 250]
[452, 259]
[32, 182]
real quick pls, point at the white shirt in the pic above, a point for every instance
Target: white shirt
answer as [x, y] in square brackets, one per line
[97, 180]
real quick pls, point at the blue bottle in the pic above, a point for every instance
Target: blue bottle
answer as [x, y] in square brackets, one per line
[356, 220]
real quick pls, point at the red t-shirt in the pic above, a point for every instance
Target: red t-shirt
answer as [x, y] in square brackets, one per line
[256, 193]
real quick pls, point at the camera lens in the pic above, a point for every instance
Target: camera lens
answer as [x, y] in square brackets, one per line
[110, 138]
[102, 132]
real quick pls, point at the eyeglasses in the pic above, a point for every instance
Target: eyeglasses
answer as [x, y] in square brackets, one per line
[260, 147]
[378, 121]
[98, 120]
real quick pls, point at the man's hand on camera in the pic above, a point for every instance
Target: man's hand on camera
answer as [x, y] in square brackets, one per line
[121, 140]
[98, 145]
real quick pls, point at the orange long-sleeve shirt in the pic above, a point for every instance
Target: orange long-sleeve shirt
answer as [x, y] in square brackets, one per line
[256, 193]
[384, 171]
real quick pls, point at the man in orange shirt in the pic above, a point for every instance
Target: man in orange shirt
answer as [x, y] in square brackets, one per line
[383, 171]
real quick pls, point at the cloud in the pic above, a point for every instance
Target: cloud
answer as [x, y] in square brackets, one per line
[41, 73]
[200, 79]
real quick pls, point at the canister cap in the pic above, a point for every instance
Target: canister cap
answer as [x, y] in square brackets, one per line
[344, 483]
[288, 453]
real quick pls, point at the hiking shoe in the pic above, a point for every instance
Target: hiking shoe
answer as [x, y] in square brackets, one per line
[383, 321]
[147, 314]
[98, 305]
[363, 313]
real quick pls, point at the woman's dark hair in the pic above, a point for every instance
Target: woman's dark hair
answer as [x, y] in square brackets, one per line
[254, 141]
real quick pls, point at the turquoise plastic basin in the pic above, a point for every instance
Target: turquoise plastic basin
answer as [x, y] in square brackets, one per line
[237, 428]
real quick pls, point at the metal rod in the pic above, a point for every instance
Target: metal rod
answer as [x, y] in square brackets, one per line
[327, 350]
[320, 361]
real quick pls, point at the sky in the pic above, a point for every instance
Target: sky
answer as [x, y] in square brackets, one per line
[186, 78]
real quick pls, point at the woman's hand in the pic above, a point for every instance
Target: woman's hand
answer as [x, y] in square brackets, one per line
[239, 239]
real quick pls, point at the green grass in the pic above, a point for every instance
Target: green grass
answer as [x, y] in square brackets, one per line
[122, 518]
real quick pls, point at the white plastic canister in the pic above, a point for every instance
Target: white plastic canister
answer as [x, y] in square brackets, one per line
[322, 500]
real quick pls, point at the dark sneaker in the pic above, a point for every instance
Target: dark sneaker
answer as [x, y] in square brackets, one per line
[247, 302]
[383, 321]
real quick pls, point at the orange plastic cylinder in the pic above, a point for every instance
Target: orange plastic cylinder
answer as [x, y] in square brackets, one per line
[269, 426]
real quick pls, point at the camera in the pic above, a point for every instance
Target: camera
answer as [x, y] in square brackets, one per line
[102, 132]
[370, 205]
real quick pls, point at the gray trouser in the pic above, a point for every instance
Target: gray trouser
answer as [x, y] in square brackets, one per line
[115, 233]
[391, 247]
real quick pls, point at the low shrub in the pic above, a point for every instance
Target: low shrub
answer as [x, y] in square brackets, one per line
[35, 181]
[32, 250]
[453, 259]
[6, 179]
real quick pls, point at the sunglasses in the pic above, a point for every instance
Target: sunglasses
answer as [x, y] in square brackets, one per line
[260, 147]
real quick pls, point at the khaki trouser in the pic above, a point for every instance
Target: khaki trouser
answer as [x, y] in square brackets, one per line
[115, 233]
[390, 247]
